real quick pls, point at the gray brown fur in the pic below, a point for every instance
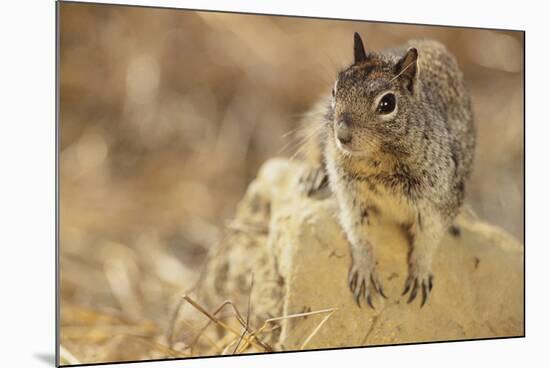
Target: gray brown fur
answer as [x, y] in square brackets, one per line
[408, 167]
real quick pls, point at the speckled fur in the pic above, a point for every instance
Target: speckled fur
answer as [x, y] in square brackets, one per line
[410, 169]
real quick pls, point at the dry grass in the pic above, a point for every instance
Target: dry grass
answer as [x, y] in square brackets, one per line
[107, 330]
[166, 117]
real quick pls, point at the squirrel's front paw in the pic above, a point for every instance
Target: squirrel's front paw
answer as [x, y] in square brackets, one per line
[313, 180]
[420, 277]
[363, 279]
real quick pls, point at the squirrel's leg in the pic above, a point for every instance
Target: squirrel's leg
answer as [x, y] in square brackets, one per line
[425, 234]
[363, 276]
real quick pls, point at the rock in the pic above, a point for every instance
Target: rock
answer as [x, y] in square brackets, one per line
[299, 257]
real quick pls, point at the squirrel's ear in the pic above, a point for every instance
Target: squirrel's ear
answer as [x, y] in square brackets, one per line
[407, 68]
[358, 49]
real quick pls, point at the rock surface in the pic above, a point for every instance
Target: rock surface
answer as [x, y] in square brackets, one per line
[299, 257]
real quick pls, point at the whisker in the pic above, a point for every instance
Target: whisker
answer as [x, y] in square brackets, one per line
[309, 133]
[291, 131]
[305, 139]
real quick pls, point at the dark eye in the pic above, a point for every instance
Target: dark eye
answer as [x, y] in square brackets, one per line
[386, 104]
[333, 91]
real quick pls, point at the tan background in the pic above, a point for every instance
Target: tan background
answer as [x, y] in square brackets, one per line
[166, 116]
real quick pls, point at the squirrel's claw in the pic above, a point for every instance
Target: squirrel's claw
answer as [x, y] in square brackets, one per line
[369, 302]
[424, 295]
[414, 290]
[362, 286]
[353, 282]
[377, 286]
[313, 180]
[414, 283]
[359, 290]
[408, 284]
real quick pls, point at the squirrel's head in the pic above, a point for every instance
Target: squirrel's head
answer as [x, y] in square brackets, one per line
[372, 101]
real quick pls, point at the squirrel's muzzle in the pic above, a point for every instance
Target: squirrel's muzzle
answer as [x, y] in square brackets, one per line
[343, 130]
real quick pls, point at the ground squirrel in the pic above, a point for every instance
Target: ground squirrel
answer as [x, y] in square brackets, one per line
[396, 143]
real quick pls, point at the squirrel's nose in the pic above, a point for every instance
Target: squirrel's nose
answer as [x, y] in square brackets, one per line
[344, 136]
[343, 131]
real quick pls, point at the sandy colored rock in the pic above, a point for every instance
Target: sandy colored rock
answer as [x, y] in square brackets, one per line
[299, 257]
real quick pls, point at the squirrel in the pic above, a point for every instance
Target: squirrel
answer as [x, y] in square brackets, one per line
[394, 142]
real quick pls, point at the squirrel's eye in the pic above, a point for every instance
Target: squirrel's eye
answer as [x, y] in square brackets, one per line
[333, 91]
[386, 104]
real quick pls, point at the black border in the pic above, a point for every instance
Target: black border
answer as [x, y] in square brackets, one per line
[57, 218]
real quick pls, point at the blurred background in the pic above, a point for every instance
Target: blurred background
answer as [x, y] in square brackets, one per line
[166, 116]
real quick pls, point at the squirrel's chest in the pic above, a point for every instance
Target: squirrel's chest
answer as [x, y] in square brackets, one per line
[361, 201]
[365, 196]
